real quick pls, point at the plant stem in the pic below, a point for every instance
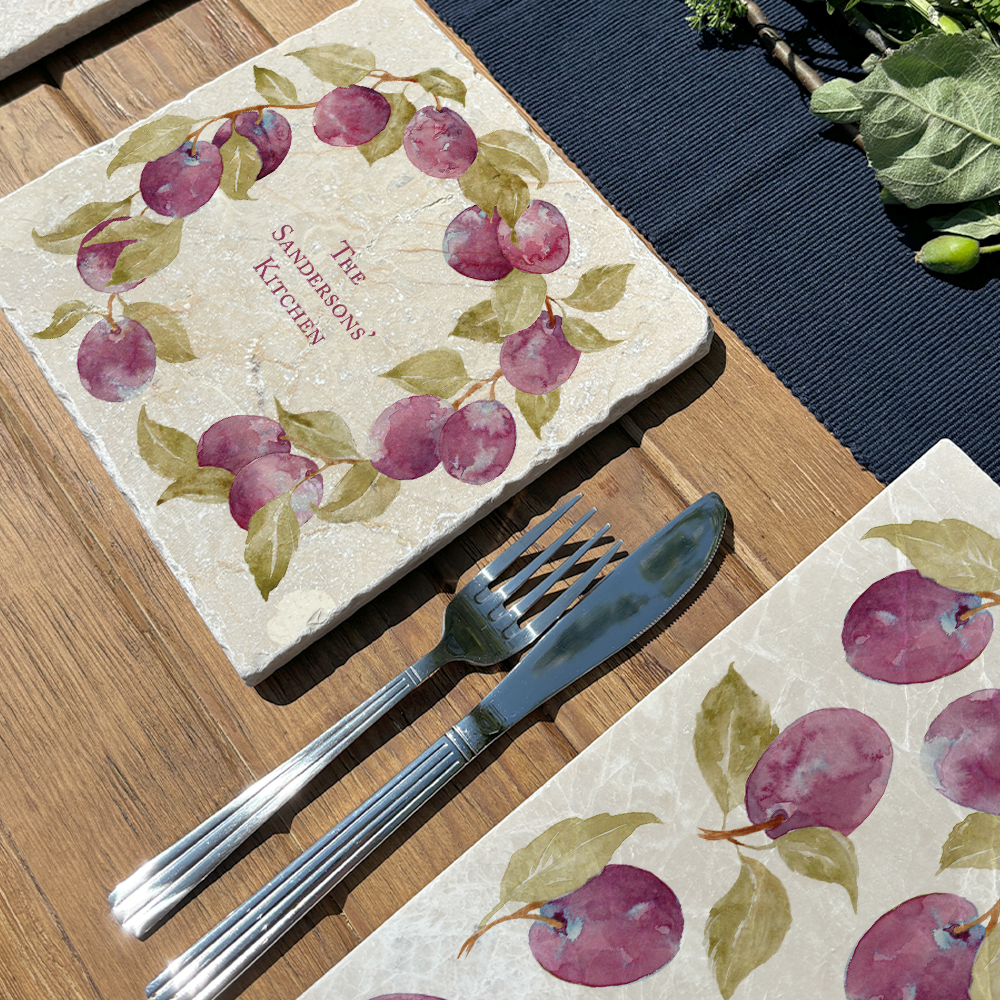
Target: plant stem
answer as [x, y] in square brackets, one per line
[991, 916]
[525, 913]
[476, 386]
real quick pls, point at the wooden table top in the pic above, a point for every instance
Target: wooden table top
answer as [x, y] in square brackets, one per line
[122, 723]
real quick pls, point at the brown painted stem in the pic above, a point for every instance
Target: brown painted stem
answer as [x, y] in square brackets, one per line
[525, 913]
[743, 831]
[110, 317]
[476, 386]
[990, 600]
[991, 916]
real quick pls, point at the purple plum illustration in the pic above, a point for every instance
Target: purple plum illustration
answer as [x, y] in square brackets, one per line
[439, 142]
[922, 949]
[116, 364]
[234, 442]
[477, 442]
[622, 926]
[538, 359]
[268, 131]
[350, 116]
[907, 629]
[96, 263]
[182, 181]
[961, 751]
[471, 246]
[268, 477]
[406, 435]
[542, 239]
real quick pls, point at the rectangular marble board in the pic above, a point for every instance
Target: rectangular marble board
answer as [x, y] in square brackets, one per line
[851, 705]
[245, 347]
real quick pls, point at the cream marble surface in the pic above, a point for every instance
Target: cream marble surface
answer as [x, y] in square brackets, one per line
[788, 648]
[249, 350]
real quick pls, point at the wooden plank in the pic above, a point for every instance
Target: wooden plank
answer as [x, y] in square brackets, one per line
[283, 18]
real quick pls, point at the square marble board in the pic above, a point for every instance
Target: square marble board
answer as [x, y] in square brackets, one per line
[228, 317]
[853, 710]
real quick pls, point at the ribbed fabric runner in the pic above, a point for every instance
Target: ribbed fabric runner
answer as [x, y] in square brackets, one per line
[710, 151]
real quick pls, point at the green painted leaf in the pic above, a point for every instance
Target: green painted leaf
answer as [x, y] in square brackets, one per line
[361, 495]
[206, 484]
[514, 153]
[241, 163]
[584, 337]
[273, 87]
[65, 318]
[746, 927]
[145, 258]
[731, 731]
[518, 300]
[138, 228]
[513, 198]
[482, 185]
[321, 433]
[930, 120]
[341, 65]
[437, 81]
[979, 221]
[152, 140]
[836, 102]
[537, 410]
[391, 137]
[166, 329]
[167, 451]
[65, 238]
[986, 969]
[822, 854]
[439, 372]
[565, 857]
[953, 553]
[479, 323]
[973, 843]
[600, 288]
[272, 538]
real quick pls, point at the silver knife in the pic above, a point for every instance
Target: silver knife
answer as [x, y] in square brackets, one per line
[639, 591]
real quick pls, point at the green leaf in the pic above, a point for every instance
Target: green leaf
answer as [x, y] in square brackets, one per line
[439, 372]
[321, 433]
[341, 65]
[930, 120]
[746, 927]
[822, 854]
[973, 843]
[241, 163]
[512, 199]
[167, 451]
[166, 329]
[482, 184]
[138, 228]
[565, 857]
[732, 729]
[361, 495]
[65, 238]
[479, 323]
[836, 102]
[272, 537]
[514, 153]
[437, 81]
[986, 969]
[600, 288]
[391, 137]
[537, 410]
[584, 337]
[204, 485]
[273, 87]
[953, 553]
[979, 221]
[152, 140]
[146, 257]
[65, 318]
[518, 300]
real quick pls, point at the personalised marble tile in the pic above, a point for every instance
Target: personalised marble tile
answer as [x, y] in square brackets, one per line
[30, 31]
[810, 807]
[326, 311]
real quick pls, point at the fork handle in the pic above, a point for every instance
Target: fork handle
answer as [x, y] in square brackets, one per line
[140, 901]
[212, 963]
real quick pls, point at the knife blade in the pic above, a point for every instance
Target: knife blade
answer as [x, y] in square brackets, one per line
[636, 594]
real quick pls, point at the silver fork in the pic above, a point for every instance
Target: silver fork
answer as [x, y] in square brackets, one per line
[478, 629]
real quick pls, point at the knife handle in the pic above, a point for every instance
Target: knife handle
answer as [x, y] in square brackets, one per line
[212, 963]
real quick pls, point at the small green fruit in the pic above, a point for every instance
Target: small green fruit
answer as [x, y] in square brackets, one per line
[949, 254]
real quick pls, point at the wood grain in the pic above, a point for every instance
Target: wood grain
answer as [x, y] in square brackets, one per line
[122, 723]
